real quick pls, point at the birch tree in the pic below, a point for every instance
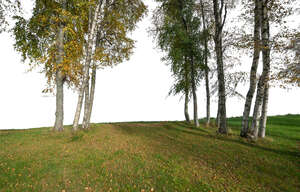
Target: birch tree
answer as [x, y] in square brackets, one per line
[262, 41]
[48, 39]
[92, 30]
[220, 13]
[108, 45]
[177, 29]
[253, 71]
[205, 19]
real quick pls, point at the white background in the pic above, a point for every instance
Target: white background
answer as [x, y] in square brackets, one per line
[135, 90]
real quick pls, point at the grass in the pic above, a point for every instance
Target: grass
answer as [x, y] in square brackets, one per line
[157, 156]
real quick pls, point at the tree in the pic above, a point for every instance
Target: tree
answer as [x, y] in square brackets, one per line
[108, 44]
[206, 55]
[253, 71]
[92, 31]
[177, 29]
[266, 14]
[52, 37]
[220, 13]
[262, 87]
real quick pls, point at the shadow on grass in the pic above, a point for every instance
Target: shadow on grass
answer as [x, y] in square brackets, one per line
[183, 127]
[243, 142]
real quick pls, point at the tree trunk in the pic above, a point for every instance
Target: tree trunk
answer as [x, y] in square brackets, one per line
[59, 114]
[91, 42]
[196, 121]
[219, 23]
[252, 132]
[207, 98]
[266, 63]
[186, 91]
[192, 67]
[263, 118]
[91, 99]
[218, 115]
[206, 66]
[59, 79]
[253, 71]
[263, 81]
[86, 104]
[186, 108]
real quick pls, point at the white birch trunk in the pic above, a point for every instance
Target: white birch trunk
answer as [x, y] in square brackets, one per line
[263, 118]
[91, 42]
[263, 81]
[195, 103]
[253, 71]
[206, 67]
[219, 23]
[91, 99]
[86, 104]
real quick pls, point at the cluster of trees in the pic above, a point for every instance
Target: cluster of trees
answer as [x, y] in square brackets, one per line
[192, 32]
[72, 39]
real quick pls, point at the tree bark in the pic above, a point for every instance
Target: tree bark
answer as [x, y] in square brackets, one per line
[59, 79]
[253, 71]
[252, 132]
[263, 81]
[91, 42]
[91, 99]
[218, 115]
[196, 121]
[263, 118]
[59, 114]
[206, 66]
[86, 104]
[186, 108]
[207, 98]
[186, 91]
[219, 23]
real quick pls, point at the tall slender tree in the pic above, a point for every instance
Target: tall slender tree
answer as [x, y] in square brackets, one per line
[220, 13]
[253, 71]
[206, 54]
[263, 85]
[178, 33]
[110, 45]
[94, 12]
[60, 77]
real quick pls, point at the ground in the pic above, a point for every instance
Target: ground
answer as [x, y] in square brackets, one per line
[151, 156]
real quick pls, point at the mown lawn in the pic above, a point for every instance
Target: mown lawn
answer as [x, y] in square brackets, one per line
[156, 156]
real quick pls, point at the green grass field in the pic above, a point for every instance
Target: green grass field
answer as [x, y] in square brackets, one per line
[156, 156]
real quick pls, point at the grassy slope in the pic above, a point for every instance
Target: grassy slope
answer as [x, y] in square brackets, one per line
[165, 156]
